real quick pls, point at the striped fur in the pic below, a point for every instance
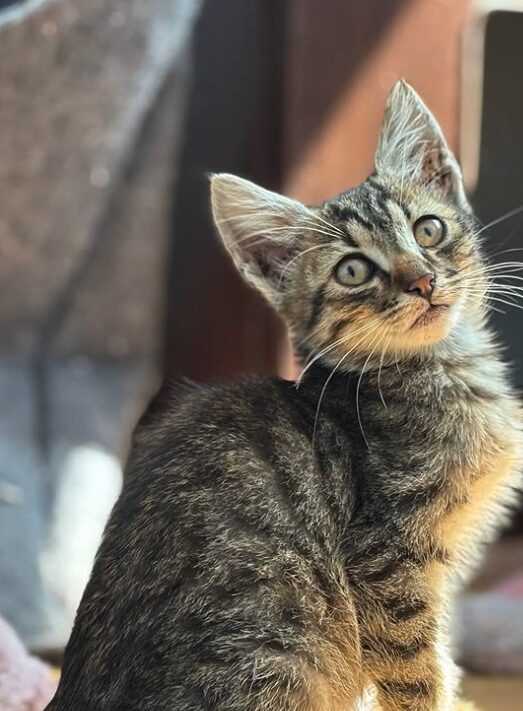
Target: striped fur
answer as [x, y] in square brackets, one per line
[296, 547]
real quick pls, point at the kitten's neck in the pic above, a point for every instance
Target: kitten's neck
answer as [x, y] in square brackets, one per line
[468, 357]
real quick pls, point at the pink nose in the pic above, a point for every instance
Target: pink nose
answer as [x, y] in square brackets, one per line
[424, 286]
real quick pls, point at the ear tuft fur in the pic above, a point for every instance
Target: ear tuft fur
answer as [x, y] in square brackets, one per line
[260, 229]
[412, 146]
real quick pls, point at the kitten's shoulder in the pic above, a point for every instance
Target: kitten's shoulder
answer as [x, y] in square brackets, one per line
[176, 396]
[184, 409]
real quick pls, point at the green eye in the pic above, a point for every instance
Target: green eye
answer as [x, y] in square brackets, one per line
[353, 271]
[429, 231]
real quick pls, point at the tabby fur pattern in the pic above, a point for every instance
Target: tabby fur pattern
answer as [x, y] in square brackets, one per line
[286, 546]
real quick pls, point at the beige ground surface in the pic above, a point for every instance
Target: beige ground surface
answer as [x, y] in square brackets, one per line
[495, 693]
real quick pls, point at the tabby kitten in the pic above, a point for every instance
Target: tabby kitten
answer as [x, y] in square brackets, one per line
[295, 547]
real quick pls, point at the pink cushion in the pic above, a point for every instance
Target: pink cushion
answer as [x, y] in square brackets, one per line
[25, 682]
[512, 586]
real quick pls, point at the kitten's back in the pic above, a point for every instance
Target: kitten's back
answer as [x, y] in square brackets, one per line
[220, 546]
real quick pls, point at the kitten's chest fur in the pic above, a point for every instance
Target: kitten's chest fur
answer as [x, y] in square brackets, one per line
[440, 453]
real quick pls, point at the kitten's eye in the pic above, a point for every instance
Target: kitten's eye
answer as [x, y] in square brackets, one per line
[429, 231]
[353, 271]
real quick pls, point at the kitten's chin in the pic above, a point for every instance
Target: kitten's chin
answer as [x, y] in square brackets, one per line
[431, 327]
[433, 315]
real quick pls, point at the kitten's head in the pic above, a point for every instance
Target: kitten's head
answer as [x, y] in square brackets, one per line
[382, 268]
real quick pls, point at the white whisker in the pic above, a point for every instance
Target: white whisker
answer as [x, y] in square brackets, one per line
[497, 221]
[346, 338]
[358, 413]
[325, 385]
[385, 346]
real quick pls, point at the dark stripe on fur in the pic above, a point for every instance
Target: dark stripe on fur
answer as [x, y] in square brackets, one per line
[347, 213]
[420, 688]
[317, 308]
[401, 610]
[404, 651]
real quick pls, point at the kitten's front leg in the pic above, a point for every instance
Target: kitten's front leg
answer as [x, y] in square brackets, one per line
[414, 686]
[410, 670]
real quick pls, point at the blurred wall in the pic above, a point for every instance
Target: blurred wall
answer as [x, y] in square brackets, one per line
[342, 60]
[217, 326]
[92, 97]
[498, 192]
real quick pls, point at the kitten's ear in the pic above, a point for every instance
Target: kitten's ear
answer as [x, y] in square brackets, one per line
[412, 146]
[260, 229]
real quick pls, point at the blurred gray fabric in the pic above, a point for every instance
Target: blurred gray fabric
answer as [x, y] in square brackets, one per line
[488, 633]
[92, 99]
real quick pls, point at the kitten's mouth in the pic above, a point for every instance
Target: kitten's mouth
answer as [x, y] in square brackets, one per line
[431, 314]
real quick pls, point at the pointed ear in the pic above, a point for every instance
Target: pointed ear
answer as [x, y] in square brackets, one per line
[412, 146]
[261, 230]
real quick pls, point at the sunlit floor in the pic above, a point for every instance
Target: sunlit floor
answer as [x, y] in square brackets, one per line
[495, 693]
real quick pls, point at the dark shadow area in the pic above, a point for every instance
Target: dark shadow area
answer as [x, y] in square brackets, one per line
[9, 3]
[216, 326]
[500, 184]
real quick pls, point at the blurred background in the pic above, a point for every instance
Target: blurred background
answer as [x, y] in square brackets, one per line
[112, 114]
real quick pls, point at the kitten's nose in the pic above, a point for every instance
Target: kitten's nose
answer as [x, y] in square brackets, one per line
[423, 286]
